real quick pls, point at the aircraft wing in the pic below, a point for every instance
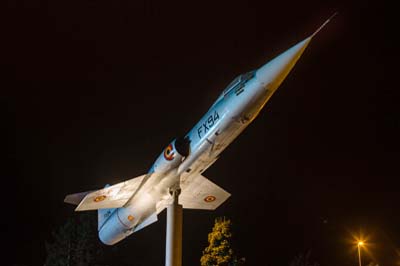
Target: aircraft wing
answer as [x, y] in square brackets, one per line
[200, 193]
[109, 197]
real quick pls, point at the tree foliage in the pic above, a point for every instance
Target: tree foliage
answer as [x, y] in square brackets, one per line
[219, 251]
[74, 243]
[303, 260]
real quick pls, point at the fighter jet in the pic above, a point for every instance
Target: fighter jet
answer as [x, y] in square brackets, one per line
[129, 206]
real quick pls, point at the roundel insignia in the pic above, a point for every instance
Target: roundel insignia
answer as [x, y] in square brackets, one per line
[209, 199]
[131, 218]
[100, 198]
[169, 153]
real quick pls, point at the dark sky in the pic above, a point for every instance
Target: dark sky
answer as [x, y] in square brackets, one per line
[93, 90]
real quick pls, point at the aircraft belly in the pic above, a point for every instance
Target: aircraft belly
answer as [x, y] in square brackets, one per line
[209, 150]
[255, 106]
[226, 136]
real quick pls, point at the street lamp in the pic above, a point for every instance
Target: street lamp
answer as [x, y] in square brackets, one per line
[359, 245]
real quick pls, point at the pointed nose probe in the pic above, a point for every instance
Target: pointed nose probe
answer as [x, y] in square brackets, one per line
[276, 70]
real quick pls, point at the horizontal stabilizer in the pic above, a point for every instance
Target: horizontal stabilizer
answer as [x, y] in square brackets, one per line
[200, 193]
[107, 198]
[75, 199]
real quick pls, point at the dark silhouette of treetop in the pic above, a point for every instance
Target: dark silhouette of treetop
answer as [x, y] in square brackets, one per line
[75, 243]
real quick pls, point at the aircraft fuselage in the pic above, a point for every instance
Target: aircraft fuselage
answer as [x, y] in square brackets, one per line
[136, 202]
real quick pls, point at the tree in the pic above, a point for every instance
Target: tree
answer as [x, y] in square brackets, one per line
[303, 260]
[75, 243]
[219, 251]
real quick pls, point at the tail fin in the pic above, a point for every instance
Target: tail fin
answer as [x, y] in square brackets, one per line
[103, 215]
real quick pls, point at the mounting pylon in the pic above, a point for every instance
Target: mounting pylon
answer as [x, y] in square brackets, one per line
[173, 244]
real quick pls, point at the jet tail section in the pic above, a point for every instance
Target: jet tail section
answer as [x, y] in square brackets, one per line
[103, 215]
[200, 193]
[151, 219]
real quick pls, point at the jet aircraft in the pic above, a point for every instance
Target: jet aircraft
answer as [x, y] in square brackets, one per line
[129, 206]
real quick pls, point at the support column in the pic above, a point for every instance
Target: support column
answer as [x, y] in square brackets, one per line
[173, 247]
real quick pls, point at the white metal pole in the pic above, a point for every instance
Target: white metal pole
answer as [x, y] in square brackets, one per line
[173, 247]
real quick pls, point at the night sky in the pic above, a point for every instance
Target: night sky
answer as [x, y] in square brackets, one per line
[92, 91]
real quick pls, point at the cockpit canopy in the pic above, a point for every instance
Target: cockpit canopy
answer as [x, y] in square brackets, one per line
[239, 81]
[236, 84]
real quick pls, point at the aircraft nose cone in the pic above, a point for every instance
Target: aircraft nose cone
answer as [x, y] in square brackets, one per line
[276, 70]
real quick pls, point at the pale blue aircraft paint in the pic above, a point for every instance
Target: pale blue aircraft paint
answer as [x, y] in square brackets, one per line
[129, 206]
